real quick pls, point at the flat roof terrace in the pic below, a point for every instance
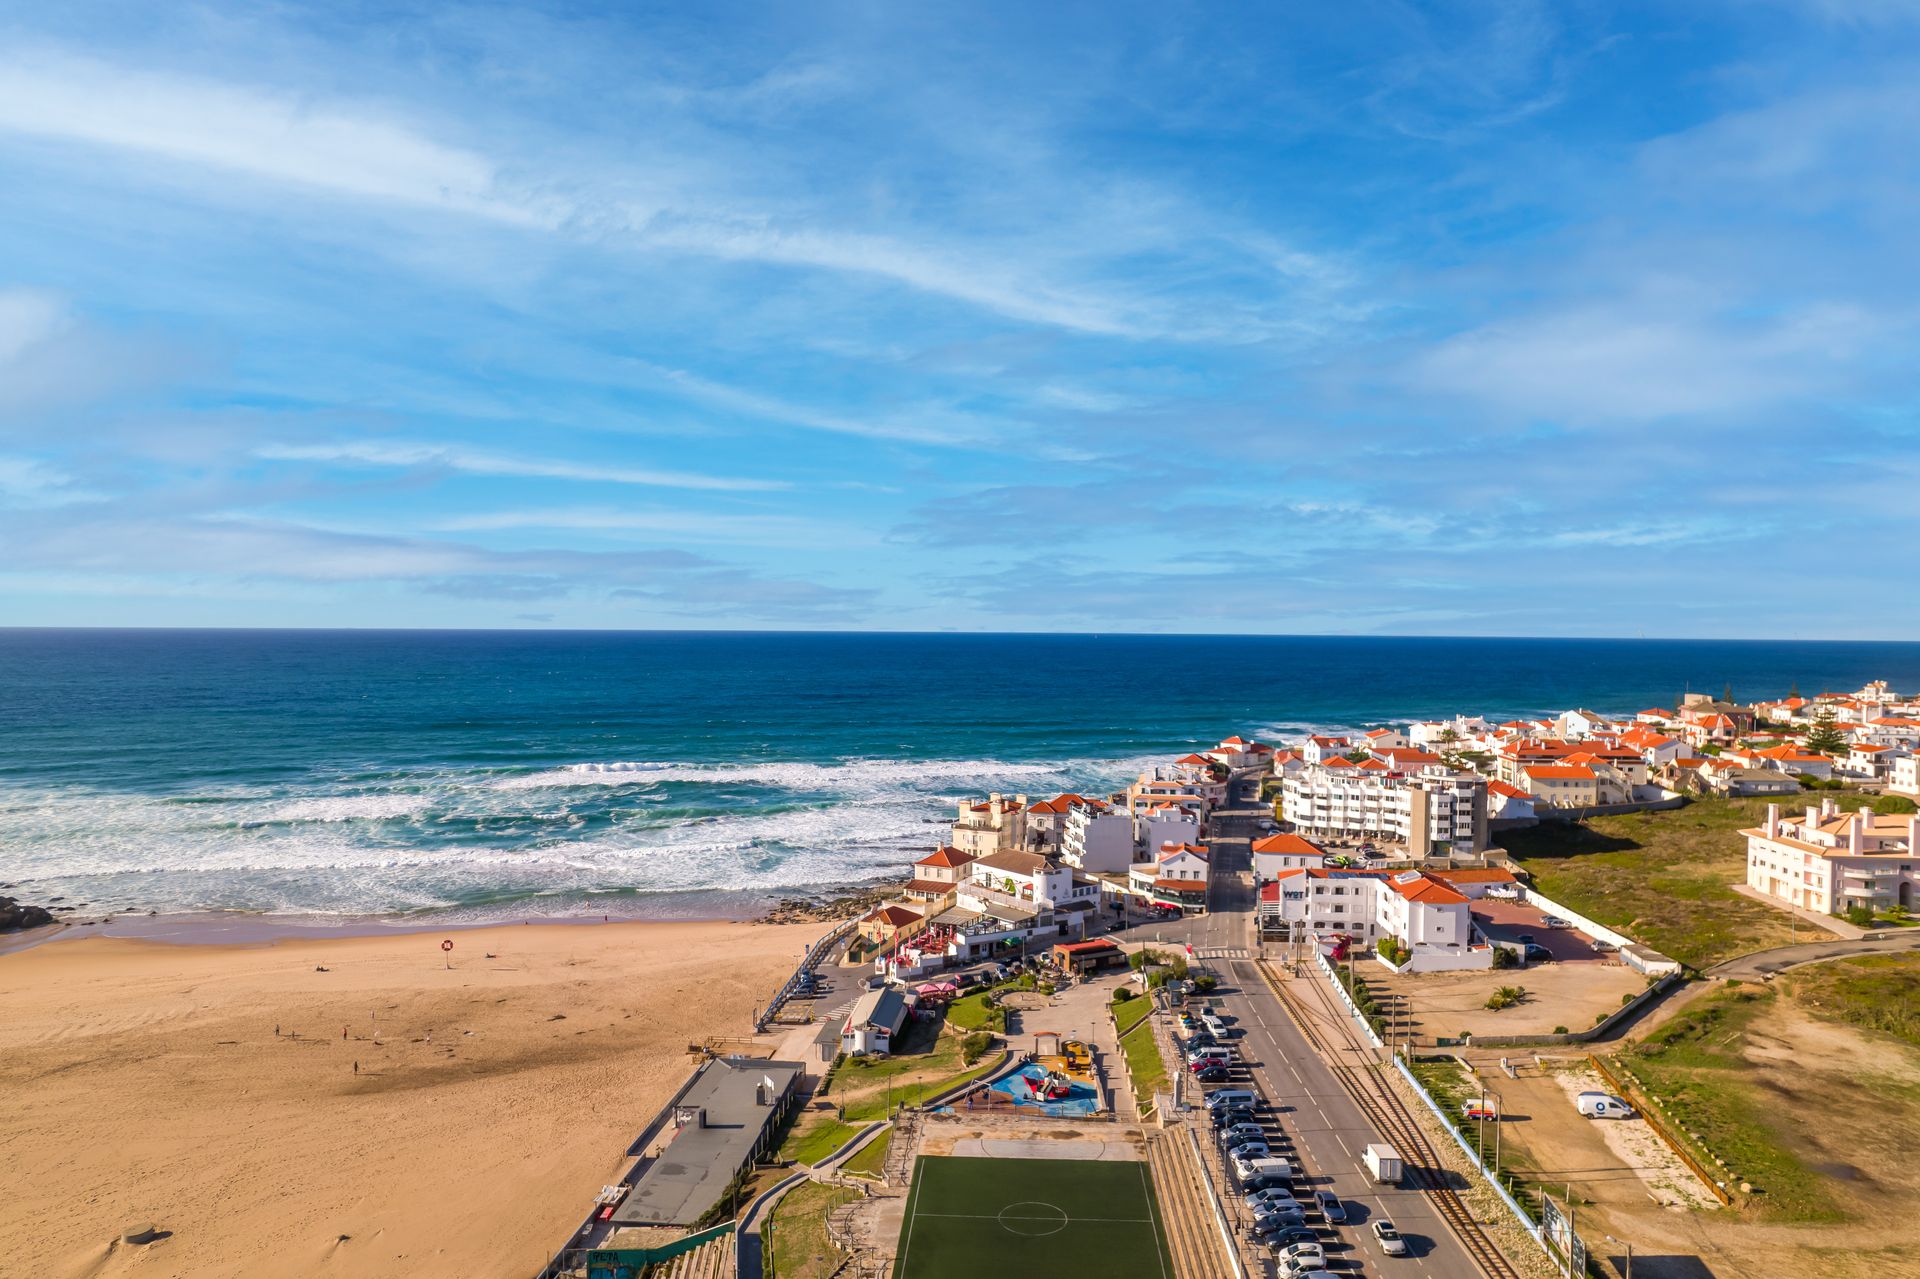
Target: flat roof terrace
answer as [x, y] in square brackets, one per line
[727, 1116]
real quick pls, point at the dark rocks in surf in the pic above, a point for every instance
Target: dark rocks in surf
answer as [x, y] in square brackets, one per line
[15, 916]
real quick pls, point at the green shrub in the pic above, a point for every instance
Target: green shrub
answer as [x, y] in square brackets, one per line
[974, 1047]
[1504, 958]
[1559, 1030]
[1123, 994]
[1205, 982]
[1506, 997]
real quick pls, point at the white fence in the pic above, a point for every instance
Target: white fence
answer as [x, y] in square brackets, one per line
[1637, 957]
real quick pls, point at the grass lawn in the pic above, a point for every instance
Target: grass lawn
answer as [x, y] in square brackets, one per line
[801, 1249]
[1130, 1013]
[871, 1157]
[928, 1062]
[1695, 1064]
[972, 1013]
[816, 1135]
[1874, 992]
[1144, 1062]
[1065, 1219]
[1662, 878]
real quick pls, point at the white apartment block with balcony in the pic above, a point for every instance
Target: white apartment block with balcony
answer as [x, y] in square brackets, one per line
[1827, 860]
[1099, 840]
[1167, 824]
[1425, 811]
[1906, 776]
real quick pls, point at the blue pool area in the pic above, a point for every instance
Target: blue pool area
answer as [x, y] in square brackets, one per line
[1058, 1095]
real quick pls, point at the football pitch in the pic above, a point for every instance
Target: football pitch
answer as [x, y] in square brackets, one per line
[1062, 1218]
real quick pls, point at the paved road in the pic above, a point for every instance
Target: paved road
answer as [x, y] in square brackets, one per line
[1765, 962]
[1327, 1126]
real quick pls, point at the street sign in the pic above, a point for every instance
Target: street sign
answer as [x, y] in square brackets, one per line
[447, 944]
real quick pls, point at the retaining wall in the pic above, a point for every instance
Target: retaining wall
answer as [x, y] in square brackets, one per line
[1637, 957]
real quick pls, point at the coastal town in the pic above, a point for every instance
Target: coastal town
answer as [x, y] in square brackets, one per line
[1300, 1008]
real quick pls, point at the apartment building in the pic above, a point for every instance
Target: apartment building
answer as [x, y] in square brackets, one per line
[1099, 839]
[1827, 860]
[1434, 810]
[1906, 776]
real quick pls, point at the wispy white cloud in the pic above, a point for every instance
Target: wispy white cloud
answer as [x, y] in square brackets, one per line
[454, 457]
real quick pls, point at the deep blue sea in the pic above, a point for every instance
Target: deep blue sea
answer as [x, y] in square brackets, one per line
[506, 774]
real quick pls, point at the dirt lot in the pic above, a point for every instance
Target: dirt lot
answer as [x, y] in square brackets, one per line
[1573, 995]
[1823, 1111]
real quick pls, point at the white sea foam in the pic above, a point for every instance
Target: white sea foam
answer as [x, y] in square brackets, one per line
[794, 775]
[432, 839]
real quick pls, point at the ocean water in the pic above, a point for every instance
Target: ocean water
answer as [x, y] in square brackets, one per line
[507, 774]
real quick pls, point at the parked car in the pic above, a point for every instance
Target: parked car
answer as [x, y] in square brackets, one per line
[1554, 921]
[1249, 1148]
[1293, 1235]
[1534, 953]
[1237, 1097]
[1390, 1241]
[1245, 1128]
[1477, 1110]
[1271, 1199]
[1269, 1227]
[1228, 1116]
[1209, 1074]
[1214, 1026]
[1303, 1256]
[1330, 1206]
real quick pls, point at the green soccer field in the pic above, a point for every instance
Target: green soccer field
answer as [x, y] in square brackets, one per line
[1059, 1218]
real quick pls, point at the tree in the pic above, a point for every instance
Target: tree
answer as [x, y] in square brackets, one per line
[1726, 694]
[1824, 737]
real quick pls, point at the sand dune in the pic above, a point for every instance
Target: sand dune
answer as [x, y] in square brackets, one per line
[145, 1086]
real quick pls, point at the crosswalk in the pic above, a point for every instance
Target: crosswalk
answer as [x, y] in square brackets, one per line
[1221, 952]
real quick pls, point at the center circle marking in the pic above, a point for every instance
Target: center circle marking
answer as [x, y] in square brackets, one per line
[1032, 1218]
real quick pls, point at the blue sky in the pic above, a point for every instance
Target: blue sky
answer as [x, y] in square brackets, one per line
[1474, 319]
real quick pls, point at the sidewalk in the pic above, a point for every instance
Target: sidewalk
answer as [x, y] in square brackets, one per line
[1838, 927]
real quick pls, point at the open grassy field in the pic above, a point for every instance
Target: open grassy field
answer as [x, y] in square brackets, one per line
[1879, 993]
[1662, 878]
[1806, 1087]
[800, 1246]
[1066, 1219]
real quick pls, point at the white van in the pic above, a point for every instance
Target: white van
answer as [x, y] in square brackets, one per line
[1231, 1097]
[1601, 1105]
[1215, 1055]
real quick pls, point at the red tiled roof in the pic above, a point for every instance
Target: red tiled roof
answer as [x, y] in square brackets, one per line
[1290, 844]
[947, 856]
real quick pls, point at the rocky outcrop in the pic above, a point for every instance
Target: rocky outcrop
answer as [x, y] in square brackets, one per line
[14, 916]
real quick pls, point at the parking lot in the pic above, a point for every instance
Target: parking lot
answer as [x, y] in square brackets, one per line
[1509, 921]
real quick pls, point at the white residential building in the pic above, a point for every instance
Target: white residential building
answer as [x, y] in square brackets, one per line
[1434, 809]
[1277, 853]
[1099, 840]
[1318, 750]
[1827, 860]
[1167, 824]
[1906, 776]
[1430, 917]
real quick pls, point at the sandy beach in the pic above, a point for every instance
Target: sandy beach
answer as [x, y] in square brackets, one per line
[210, 1091]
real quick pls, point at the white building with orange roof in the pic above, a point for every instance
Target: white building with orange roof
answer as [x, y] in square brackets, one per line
[1238, 752]
[1508, 803]
[1654, 715]
[1827, 860]
[1655, 748]
[1562, 785]
[1166, 824]
[1319, 749]
[1174, 875]
[1384, 739]
[1871, 762]
[1047, 820]
[1431, 918]
[1287, 763]
[1276, 853]
[936, 874]
[1788, 758]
